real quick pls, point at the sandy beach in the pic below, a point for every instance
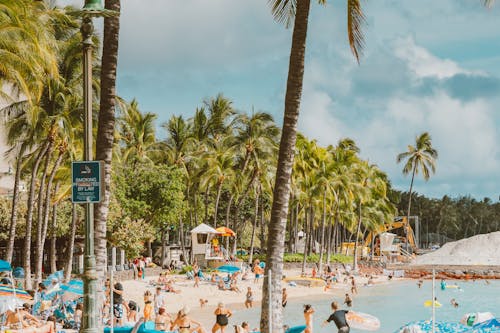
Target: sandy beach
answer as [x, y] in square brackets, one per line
[190, 296]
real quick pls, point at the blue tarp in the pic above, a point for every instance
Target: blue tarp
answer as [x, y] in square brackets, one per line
[5, 266]
[489, 326]
[441, 327]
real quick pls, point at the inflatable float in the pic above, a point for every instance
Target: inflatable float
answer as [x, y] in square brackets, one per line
[471, 319]
[296, 329]
[147, 327]
[362, 321]
[428, 303]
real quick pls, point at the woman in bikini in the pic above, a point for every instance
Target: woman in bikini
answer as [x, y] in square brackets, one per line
[308, 316]
[184, 323]
[161, 320]
[221, 318]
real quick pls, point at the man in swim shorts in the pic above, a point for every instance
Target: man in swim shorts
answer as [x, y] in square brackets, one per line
[338, 317]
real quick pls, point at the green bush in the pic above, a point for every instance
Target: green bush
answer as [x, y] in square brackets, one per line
[297, 257]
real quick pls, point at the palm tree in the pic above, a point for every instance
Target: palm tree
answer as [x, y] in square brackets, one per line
[419, 158]
[286, 11]
[106, 128]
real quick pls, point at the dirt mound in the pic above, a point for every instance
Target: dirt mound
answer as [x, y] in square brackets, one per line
[476, 250]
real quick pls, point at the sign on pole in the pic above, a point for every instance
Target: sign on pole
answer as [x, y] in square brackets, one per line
[87, 177]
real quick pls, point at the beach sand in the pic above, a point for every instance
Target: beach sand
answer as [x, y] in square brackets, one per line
[190, 296]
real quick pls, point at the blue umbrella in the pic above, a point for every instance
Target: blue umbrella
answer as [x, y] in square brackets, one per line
[228, 269]
[440, 327]
[72, 290]
[57, 276]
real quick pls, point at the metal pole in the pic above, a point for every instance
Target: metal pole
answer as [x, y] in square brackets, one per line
[269, 286]
[111, 287]
[433, 302]
[89, 322]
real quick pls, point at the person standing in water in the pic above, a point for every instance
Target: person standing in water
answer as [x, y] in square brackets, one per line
[221, 318]
[308, 316]
[348, 300]
[338, 317]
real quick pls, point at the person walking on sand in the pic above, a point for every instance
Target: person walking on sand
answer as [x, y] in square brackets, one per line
[159, 300]
[249, 298]
[221, 318]
[308, 316]
[338, 317]
[148, 306]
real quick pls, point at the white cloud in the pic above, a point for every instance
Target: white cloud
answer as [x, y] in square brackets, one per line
[423, 63]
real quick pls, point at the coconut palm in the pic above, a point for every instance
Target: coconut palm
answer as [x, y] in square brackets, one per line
[137, 135]
[106, 128]
[420, 158]
[286, 11]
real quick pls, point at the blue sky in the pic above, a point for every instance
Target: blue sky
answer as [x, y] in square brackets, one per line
[427, 66]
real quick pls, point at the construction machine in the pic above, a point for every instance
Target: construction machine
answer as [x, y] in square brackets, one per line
[401, 228]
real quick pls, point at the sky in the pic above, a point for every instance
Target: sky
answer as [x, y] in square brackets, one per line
[427, 66]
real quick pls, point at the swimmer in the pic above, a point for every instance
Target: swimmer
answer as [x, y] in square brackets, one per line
[222, 315]
[348, 300]
[454, 303]
[249, 298]
[308, 314]
[419, 283]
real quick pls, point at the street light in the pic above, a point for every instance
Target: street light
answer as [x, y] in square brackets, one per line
[92, 8]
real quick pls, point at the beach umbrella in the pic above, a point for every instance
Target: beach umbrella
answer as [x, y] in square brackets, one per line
[72, 290]
[5, 266]
[226, 232]
[228, 269]
[439, 327]
[14, 292]
[9, 303]
[57, 276]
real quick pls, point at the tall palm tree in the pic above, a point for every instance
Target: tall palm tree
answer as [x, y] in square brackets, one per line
[286, 11]
[419, 158]
[106, 128]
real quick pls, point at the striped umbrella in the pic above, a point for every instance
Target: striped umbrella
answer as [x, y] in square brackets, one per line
[6, 290]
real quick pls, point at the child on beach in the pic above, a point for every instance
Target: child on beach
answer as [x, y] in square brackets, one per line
[348, 300]
[308, 314]
[249, 298]
[148, 306]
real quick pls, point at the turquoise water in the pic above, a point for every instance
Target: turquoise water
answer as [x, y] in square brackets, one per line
[395, 304]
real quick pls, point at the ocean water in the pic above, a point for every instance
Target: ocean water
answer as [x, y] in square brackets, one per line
[395, 304]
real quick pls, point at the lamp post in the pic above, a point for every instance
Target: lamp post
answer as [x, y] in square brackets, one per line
[92, 8]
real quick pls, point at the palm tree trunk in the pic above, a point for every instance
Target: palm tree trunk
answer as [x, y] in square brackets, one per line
[162, 257]
[45, 221]
[13, 213]
[271, 297]
[254, 226]
[53, 227]
[106, 131]
[322, 237]
[306, 223]
[29, 218]
[43, 193]
[228, 209]
[205, 220]
[355, 260]
[295, 228]
[181, 240]
[329, 240]
[219, 189]
[409, 205]
[71, 244]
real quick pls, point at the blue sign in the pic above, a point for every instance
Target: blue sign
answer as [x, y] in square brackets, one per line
[87, 181]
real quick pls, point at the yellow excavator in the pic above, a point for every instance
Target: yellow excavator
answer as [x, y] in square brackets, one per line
[400, 222]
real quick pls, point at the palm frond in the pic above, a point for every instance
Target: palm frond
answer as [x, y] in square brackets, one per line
[355, 21]
[284, 11]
